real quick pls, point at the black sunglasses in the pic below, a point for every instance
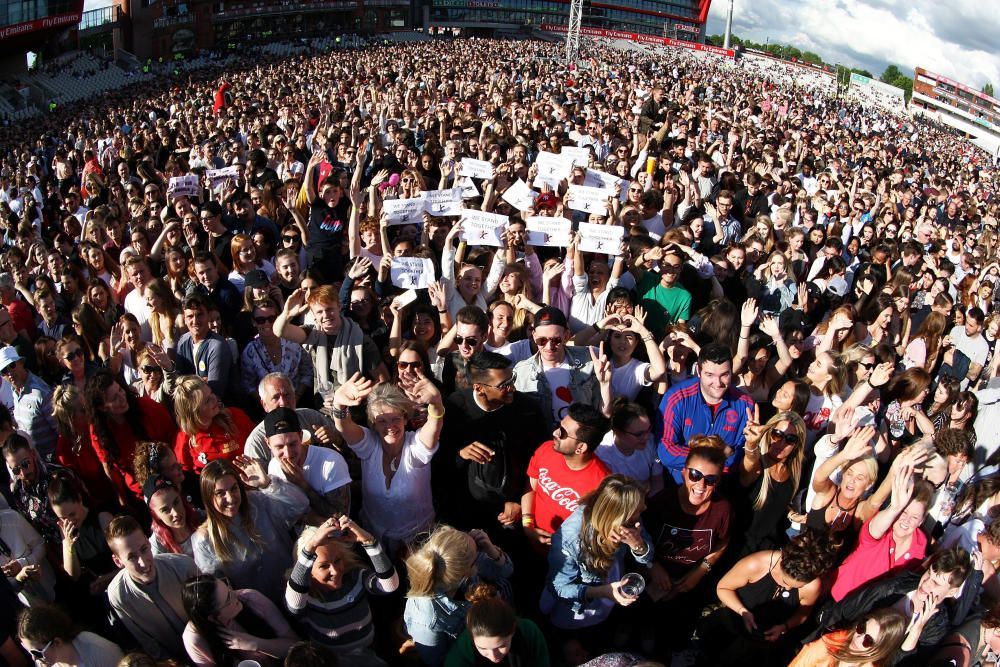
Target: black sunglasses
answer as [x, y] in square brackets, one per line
[867, 641]
[70, 356]
[415, 365]
[696, 476]
[789, 437]
[471, 341]
[564, 434]
[150, 369]
[503, 386]
[268, 319]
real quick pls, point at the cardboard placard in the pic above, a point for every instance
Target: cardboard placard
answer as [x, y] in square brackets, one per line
[467, 188]
[602, 179]
[605, 239]
[588, 200]
[546, 231]
[580, 156]
[184, 186]
[476, 169]
[412, 272]
[552, 169]
[443, 202]
[481, 228]
[217, 177]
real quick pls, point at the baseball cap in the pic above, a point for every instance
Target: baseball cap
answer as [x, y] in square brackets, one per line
[281, 420]
[256, 278]
[550, 316]
[546, 200]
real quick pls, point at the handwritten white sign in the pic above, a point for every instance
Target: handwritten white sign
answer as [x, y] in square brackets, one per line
[605, 239]
[520, 196]
[481, 228]
[183, 186]
[443, 202]
[546, 231]
[467, 188]
[475, 169]
[580, 156]
[411, 272]
[217, 177]
[552, 169]
[403, 211]
[588, 200]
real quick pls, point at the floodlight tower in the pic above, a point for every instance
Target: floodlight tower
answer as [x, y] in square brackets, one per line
[573, 31]
[729, 25]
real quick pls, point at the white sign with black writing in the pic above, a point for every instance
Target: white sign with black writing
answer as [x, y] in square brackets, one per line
[580, 155]
[605, 239]
[184, 186]
[467, 188]
[475, 169]
[443, 202]
[547, 231]
[588, 200]
[520, 196]
[482, 228]
[403, 211]
[217, 177]
[601, 179]
[412, 272]
[552, 169]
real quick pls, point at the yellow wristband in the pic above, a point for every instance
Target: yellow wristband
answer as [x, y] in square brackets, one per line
[431, 412]
[528, 521]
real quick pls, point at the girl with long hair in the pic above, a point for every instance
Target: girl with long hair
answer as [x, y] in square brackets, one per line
[102, 299]
[629, 374]
[873, 642]
[228, 625]
[208, 429]
[118, 421]
[587, 558]
[825, 376]
[902, 401]
[944, 397]
[329, 585]
[166, 323]
[74, 449]
[245, 260]
[126, 345]
[86, 557]
[494, 632]
[440, 571]
[249, 515]
[504, 337]
[778, 286]
[153, 459]
[93, 332]
[770, 474]
[174, 520]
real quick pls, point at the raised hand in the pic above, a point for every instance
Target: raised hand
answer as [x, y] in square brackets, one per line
[361, 266]
[629, 535]
[902, 487]
[295, 304]
[252, 472]
[602, 365]
[753, 429]
[423, 391]
[639, 313]
[353, 392]
[769, 325]
[436, 292]
[880, 375]
[749, 313]
[859, 445]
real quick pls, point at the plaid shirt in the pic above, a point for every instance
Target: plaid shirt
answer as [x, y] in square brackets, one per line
[33, 503]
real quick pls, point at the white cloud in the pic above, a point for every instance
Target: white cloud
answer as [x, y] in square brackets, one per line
[96, 4]
[952, 38]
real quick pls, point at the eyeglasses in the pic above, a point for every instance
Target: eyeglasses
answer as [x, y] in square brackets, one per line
[542, 341]
[789, 437]
[150, 369]
[671, 268]
[470, 341]
[503, 386]
[73, 354]
[867, 366]
[23, 466]
[40, 655]
[290, 238]
[8, 370]
[414, 365]
[696, 476]
[867, 641]
[265, 319]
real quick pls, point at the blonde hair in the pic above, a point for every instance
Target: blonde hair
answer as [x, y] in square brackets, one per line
[388, 395]
[605, 509]
[794, 462]
[347, 554]
[189, 394]
[216, 526]
[441, 563]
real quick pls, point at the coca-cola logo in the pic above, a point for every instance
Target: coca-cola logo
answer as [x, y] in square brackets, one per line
[563, 496]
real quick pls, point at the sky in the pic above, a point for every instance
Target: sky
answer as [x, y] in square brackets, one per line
[956, 38]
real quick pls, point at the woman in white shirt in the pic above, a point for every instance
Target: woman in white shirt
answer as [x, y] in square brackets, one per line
[629, 375]
[395, 464]
[49, 636]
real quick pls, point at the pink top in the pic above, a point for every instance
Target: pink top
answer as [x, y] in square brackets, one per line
[873, 558]
[197, 646]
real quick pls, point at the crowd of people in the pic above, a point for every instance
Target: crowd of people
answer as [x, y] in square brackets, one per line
[448, 353]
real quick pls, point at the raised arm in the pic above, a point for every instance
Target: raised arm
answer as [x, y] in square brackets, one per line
[857, 446]
[294, 306]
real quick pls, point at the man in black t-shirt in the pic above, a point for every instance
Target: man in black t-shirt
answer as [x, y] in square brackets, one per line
[328, 214]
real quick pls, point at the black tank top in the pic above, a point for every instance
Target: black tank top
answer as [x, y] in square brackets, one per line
[843, 523]
[769, 522]
[770, 603]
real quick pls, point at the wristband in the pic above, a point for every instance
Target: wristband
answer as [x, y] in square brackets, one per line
[442, 311]
[646, 339]
[339, 413]
[431, 411]
[528, 521]
[597, 327]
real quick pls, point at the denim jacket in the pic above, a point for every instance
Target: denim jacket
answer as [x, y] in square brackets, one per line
[569, 578]
[434, 623]
[529, 378]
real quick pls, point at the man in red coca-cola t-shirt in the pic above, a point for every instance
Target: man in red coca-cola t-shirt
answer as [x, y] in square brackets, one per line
[563, 471]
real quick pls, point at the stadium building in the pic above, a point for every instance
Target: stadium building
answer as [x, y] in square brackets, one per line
[973, 112]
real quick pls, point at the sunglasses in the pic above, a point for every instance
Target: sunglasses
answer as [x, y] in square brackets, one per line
[564, 434]
[23, 466]
[415, 365]
[867, 641]
[870, 365]
[503, 386]
[70, 356]
[671, 268]
[150, 369]
[290, 238]
[470, 341]
[696, 476]
[265, 319]
[789, 437]
[542, 341]
[40, 655]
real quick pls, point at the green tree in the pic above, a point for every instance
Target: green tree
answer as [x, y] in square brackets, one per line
[891, 74]
[811, 58]
[715, 40]
[988, 89]
[863, 72]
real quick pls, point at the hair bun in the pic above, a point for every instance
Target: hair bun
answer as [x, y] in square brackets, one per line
[481, 592]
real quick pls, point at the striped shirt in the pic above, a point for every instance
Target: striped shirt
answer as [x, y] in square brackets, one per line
[340, 619]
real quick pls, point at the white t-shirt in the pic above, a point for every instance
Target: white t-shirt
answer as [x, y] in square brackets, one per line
[817, 414]
[325, 470]
[516, 351]
[135, 303]
[627, 380]
[641, 465]
[405, 508]
[976, 349]
[558, 379]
